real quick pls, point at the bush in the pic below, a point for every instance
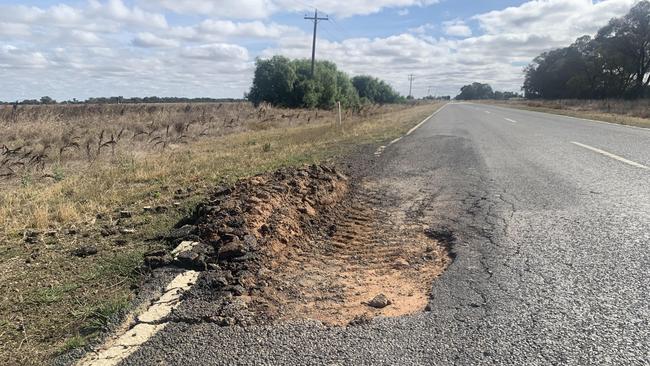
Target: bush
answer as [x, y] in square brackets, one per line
[289, 83]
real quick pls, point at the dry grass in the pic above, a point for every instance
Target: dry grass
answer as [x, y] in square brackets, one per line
[38, 141]
[632, 113]
[53, 301]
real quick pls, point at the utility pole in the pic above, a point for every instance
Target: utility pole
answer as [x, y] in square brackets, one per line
[313, 45]
[411, 85]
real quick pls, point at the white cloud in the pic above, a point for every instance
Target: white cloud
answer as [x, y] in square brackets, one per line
[150, 40]
[255, 29]
[403, 12]
[117, 10]
[9, 29]
[135, 47]
[561, 19]
[219, 52]
[457, 28]
[21, 58]
[259, 9]
[423, 29]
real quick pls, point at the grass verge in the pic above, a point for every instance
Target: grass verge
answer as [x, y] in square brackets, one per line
[619, 112]
[58, 294]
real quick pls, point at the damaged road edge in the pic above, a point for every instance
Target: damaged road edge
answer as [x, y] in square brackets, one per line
[145, 325]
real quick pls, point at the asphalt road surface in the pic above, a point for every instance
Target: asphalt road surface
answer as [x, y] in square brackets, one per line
[551, 217]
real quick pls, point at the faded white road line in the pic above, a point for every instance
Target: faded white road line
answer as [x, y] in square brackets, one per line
[610, 155]
[426, 119]
[381, 149]
[147, 323]
[510, 120]
[488, 112]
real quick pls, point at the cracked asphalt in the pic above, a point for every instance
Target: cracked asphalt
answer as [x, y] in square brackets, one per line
[551, 254]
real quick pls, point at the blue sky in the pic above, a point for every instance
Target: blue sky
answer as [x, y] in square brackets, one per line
[84, 48]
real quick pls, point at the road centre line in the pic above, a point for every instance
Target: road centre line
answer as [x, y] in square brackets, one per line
[510, 120]
[610, 155]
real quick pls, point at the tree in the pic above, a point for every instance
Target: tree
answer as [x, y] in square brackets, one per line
[374, 90]
[289, 83]
[616, 63]
[47, 100]
[273, 82]
[629, 37]
[475, 91]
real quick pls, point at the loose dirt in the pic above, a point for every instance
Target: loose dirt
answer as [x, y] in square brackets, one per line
[306, 243]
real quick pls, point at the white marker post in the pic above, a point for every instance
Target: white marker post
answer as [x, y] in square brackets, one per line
[340, 121]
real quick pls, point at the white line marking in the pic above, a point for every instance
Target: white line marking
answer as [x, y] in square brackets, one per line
[571, 117]
[613, 156]
[426, 119]
[150, 322]
[381, 149]
[510, 120]
[488, 112]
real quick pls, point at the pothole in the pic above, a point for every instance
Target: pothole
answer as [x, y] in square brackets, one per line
[305, 243]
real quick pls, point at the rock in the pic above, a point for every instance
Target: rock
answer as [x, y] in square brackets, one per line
[85, 251]
[72, 230]
[401, 263]
[379, 302]
[126, 214]
[358, 320]
[191, 260]
[31, 233]
[250, 241]
[157, 258]
[234, 249]
[182, 232]
[307, 210]
[32, 236]
[108, 231]
[147, 209]
[51, 233]
[121, 242]
[222, 191]
[238, 290]
[157, 262]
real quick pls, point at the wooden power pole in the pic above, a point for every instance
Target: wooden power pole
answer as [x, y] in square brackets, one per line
[313, 45]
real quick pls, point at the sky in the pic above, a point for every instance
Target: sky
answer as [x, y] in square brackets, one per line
[186, 48]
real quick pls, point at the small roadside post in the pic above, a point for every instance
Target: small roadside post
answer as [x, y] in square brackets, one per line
[340, 121]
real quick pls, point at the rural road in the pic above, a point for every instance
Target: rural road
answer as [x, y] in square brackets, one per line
[551, 217]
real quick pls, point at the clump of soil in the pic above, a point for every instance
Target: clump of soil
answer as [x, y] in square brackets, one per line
[305, 243]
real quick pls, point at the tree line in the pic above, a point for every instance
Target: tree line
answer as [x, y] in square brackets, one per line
[615, 63]
[289, 83]
[477, 91]
[121, 100]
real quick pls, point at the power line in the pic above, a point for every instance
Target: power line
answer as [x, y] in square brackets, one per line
[315, 18]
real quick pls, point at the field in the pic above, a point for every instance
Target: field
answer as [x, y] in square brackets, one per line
[632, 113]
[87, 190]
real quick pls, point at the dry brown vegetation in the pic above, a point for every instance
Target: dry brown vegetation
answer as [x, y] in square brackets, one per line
[625, 112]
[37, 140]
[165, 156]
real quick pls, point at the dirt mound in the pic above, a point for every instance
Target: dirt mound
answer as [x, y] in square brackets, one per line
[303, 243]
